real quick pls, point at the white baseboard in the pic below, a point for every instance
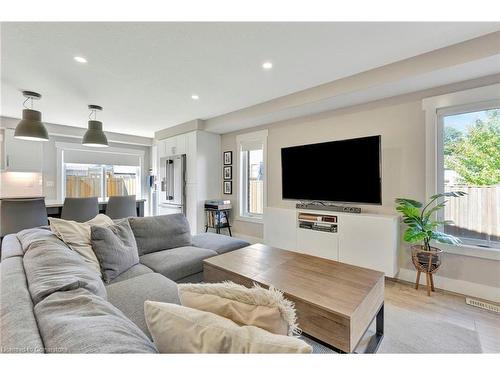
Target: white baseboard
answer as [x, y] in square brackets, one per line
[250, 239]
[467, 288]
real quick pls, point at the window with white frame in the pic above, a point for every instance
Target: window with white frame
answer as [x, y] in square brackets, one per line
[89, 173]
[102, 181]
[252, 186]
[468, 160]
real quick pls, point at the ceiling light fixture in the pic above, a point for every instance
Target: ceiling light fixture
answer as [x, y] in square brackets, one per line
[94, 136]
[81, 60]
[31, 127]
[195, 97]
[267, 65]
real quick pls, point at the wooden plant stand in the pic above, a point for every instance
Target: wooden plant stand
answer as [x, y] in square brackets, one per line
[427, 262]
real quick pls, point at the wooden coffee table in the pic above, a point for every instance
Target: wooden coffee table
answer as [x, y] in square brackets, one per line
[335, 302]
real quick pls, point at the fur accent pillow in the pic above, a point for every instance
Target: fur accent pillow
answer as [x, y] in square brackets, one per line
[264, 308]
[179, 329]
[77, 236]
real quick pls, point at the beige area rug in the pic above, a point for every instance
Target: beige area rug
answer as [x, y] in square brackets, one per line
[409, 332]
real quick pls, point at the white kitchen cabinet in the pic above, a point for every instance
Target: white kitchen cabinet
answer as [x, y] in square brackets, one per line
[191, 158]
[203, 170]
[21, 156]
[180, 145]
[170, 146]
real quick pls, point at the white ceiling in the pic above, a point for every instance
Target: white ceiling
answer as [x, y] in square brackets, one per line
[144, 74]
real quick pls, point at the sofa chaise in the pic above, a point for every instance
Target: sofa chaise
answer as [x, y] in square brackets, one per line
[52, 301]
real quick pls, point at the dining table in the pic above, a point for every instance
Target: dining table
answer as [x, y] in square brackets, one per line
[54, 207]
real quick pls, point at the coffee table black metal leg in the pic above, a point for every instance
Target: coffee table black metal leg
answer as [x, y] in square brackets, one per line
[376, 339]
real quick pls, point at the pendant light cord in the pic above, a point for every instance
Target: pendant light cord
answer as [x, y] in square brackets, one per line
[31, 103]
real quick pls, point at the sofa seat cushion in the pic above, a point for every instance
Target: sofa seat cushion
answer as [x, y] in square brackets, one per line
[177, 263]
[218, 242]
[134, 271]
[129, 295]
[156, 233]
[77, 321]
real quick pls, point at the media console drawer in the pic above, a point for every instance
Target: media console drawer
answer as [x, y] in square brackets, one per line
[320, 244]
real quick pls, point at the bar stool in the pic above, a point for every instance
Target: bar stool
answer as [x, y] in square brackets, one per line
[80, 209]
[121, 206]
[21, 213]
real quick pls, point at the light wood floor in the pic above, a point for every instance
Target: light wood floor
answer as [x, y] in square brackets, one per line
[448, 307]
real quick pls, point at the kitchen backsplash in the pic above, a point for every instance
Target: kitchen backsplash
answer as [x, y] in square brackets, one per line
[21, 184]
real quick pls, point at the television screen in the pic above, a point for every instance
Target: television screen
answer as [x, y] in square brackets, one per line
[339, 171]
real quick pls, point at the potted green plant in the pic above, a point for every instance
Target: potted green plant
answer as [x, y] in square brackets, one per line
[421, 229]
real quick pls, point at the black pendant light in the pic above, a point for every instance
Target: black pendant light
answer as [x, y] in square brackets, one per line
[94, 136]
[31, 127]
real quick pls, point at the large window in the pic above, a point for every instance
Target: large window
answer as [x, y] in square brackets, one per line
[102, 181]
[469, 161]
[253, 188]
[251, 192]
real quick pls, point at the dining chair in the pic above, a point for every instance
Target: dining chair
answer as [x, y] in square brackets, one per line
[79, 209]
[121, 206]
[21, 213]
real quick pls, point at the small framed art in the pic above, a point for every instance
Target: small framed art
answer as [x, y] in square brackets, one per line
[228, 157]
[228, 187]
[228, 173]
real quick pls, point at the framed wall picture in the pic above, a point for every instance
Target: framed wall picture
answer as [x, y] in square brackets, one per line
[228, 173]
[228, 157]
[228, 187]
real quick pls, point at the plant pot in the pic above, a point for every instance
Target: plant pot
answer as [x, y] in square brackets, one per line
[424, 260]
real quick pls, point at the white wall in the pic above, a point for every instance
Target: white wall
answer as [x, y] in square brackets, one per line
[401, 122]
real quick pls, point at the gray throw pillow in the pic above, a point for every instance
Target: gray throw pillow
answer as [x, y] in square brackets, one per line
[115, 248]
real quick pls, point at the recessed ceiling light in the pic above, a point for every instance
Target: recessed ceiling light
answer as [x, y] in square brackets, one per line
[195, 97]
[81, 60]
[267, 65]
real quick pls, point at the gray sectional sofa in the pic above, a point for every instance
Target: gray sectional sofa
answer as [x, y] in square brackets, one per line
[53, 302]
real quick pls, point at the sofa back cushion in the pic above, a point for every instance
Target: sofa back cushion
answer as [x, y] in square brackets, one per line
[155, 233]
[51, 266]
[115, 248]
[77, 321]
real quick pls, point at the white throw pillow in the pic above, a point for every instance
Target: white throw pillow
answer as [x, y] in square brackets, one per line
[179, 329]
[264, 308]
[77, 236]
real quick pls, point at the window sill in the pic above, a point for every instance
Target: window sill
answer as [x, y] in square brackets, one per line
[249, 219]
[471, 251]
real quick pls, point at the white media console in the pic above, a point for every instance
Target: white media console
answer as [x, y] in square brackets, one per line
[365, 240]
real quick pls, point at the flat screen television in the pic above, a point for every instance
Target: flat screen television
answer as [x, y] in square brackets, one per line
[347, 171]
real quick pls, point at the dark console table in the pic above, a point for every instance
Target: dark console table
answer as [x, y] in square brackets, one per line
[217, 219]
